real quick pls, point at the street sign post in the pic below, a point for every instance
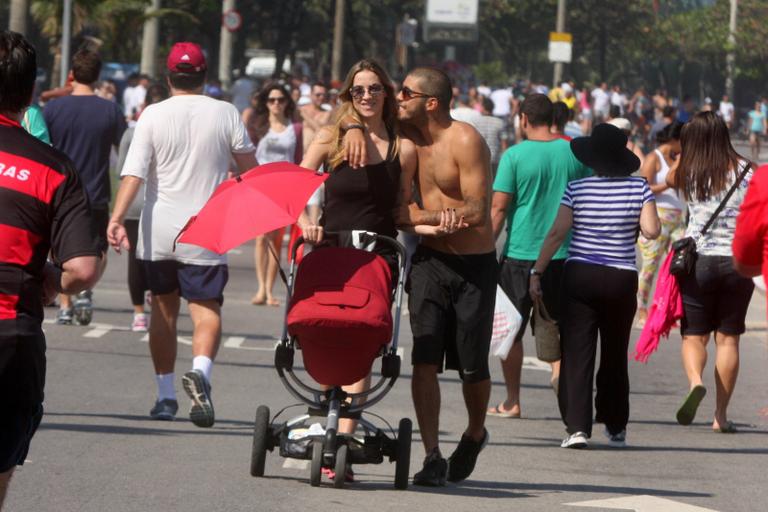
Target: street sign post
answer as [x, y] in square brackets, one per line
[232, 20]
[451, 21]
[560, 47]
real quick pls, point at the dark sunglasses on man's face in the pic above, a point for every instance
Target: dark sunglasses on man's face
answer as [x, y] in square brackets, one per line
[409, 94]
[357, 92]
[279, 100]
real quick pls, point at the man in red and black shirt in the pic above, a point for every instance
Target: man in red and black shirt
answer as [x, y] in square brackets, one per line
[750, 242]
[43, 208]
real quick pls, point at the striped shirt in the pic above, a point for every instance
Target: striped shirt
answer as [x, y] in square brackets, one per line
[606, 219]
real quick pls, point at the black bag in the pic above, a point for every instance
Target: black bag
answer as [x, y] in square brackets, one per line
[684, 250]
[683, 257]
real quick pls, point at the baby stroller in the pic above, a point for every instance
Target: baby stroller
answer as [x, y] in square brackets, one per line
[339, 314]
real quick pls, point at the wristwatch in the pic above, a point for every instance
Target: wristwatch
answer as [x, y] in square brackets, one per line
[535, 272]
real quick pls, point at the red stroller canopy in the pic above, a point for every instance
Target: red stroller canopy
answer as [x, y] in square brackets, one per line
[341, 313]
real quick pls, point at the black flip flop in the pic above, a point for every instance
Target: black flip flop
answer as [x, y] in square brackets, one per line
[687, 411]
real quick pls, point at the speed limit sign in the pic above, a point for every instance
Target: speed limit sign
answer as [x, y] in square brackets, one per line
[232, 20]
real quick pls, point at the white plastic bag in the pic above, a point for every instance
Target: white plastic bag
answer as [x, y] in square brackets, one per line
[506, 324]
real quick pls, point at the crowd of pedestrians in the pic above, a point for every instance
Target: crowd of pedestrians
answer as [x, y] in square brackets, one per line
[579, 179]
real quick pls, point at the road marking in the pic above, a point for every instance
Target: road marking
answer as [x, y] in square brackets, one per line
[234, 342]
[301, 465]
[532, 363]
[641, 503]
[96, 333]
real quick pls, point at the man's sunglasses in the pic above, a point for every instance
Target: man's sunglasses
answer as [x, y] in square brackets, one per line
[280, 100]
[357, 92]
[409, 94]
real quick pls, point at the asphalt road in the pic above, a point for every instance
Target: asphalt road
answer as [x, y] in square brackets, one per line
[96, 449]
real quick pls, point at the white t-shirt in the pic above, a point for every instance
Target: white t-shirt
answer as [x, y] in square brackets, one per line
[601, 100]
[726, 111]
[181, 148]
[133, 99]
[277, 146]
[467, 115]
[501, 99]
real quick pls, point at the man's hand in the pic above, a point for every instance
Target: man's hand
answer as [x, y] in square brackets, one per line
[534, 287]
[354, 146]
[117, 236]
[51, 282]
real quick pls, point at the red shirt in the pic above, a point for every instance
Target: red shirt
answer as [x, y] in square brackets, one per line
[750, 242]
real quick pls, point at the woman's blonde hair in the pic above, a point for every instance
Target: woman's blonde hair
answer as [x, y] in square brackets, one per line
[347, 110]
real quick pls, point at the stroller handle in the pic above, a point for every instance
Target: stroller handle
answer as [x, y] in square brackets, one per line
[370, 237]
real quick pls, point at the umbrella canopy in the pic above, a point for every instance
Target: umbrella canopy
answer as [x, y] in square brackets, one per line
[263, 199]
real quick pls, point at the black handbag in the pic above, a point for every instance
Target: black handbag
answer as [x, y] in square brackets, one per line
[684, 250]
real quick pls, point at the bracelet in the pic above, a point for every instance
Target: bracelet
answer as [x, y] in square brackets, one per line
[354, 127]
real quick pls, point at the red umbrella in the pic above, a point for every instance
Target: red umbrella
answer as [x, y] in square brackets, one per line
[265, 198]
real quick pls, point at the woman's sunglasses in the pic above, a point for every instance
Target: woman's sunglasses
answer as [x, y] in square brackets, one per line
[279, 100]
[357, 92]
[409, 94]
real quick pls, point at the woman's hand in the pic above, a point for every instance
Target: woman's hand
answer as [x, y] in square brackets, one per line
[534, 287]
[450, 223]
[312, 233]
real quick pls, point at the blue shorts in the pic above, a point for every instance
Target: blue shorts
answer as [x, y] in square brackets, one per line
[193, 282]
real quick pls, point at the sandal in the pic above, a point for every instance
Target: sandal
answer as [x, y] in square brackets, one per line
[687, 411]
[501, 413]
[349, 475]
[728, 428]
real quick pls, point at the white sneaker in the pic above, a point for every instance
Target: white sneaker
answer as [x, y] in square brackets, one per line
[577, 440]
[618, 440]
[140, 322]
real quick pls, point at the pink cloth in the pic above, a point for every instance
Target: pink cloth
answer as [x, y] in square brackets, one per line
[667, 308]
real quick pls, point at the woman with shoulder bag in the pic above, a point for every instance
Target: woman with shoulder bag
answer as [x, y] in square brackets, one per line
[713, 179]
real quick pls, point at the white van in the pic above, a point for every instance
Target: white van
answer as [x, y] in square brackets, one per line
[262, 64]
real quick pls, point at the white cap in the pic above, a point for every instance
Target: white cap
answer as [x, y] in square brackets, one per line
[566, 87]
[621, 123]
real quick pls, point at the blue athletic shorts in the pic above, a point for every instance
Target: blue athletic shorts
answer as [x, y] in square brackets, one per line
[193, 282]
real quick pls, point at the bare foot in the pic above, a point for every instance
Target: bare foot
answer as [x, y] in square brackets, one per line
[259, 299]
[642, 316]
[271, 301]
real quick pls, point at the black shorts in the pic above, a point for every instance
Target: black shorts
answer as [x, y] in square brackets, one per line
[194, 282]
[451, 300]
[715, 297]
[514, 279]
[17, 426]
[100, 222]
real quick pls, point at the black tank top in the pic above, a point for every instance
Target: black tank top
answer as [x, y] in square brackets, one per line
[363, 198]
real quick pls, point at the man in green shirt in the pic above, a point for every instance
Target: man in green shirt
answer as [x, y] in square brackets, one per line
[529, 185]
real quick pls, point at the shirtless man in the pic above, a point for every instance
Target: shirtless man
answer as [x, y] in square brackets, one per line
[313, 114]
[452, 283]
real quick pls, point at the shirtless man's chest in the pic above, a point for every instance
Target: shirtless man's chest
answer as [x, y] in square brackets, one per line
[439, 183]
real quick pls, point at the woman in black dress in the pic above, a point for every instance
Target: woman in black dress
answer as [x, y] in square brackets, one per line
[364, 198]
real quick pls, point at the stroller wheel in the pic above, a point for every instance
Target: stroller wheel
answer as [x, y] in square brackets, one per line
[403, 460]
[261, 434]
[340, 477]
[315, 471]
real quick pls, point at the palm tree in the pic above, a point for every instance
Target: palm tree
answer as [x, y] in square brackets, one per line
[47, 14]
